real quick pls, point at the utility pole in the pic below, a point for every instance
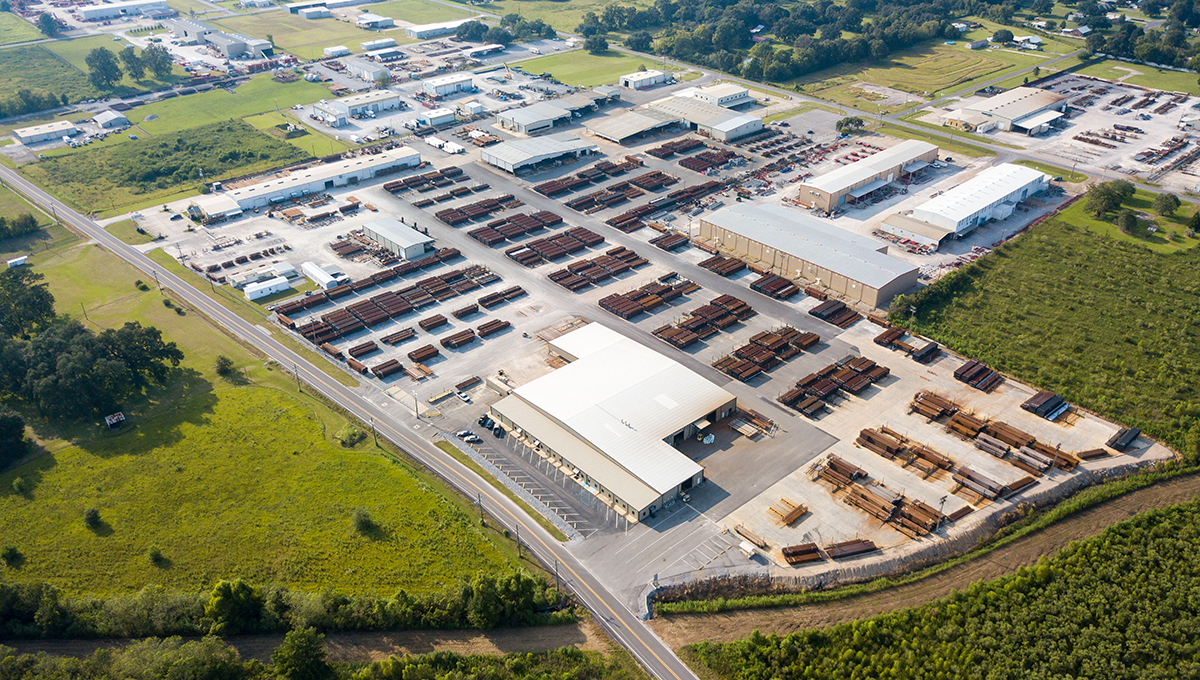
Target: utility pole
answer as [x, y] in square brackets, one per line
[518, 541]
[155, 272]
[296, 372]
[479, 504]
[374, 433]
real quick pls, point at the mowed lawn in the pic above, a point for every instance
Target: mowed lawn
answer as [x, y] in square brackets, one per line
[75, 52]
[226, 481]
[421, 11]
[259, 95]
[1148, 76]
[14, 29]
[589, 70]
[305, 38]
[13, 204]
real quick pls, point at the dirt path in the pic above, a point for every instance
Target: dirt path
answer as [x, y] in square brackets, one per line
[371, 645]
[679, 630]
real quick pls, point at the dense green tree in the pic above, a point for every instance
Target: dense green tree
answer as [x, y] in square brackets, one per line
[234, 607]
[302, 656]
[158, 60]
[12, 436]
[134, 65]
[850, 124]
[22, 224]
[47, 25]
[498, 35]
[1126, 221]
[639, 41]
[596, 44]
[1106, 197]
[1166, 204]
[25, 302]
[103, 70]
[471, 31]
[1002, 37]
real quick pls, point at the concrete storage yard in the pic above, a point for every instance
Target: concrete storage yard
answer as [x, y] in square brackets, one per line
[748, 471]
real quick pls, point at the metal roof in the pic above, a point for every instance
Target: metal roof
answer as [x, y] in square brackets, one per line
[866, 169]
[631, 123]
[301, 179]
[1037, 119]
[451, 79]
[692, 110]
[624, 399]
[1016, 103]
[368, 97]
[45, 129]
[732, 121]
[723, 90]
[813, 240]
[921, 227]
[109, 115]
[534, 113]
[981, 191]
[521, 152]
[397, 232]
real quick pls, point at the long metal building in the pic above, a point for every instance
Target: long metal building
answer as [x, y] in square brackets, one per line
[859, 179]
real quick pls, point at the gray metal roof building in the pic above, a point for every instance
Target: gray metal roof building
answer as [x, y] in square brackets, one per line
[401, 239]
[534, 118]
[828, 191]
[799, 246]
[630, 125]
[522, 154]
[615, 430]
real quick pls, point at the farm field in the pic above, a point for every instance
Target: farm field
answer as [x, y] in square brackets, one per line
[200, 474]
[421, 11]
[14, 29]
[36, 68]
[112, 177]
[1041, 310]
[258, 95]
[305, 38]
[75, 52]
[1146, 76]
[1128, 584]
[588, 70]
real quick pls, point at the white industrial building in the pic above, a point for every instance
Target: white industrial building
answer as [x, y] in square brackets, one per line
[728, 95]
[337, 51]
[798, 246]
[858, 180]
[110, 119]
[314, 13]
[1029, 110]
[612, 418]
[321, 276]
[526, 154]
[992, 194]
[642, 79]
[116, 10]
[400, 238]
[386, 54]
[310, 180]
[534, 118]
[262, 289]
[231, 45]
[448, 85]
[338, 112]
[48, 131]
[378, 44]
[373, 21]
[436, 117]
[426, 31]
[366, 70]
[709, 119]
[907, 227]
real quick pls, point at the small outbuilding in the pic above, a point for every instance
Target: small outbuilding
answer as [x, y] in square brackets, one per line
[262, 289]
[110, 119]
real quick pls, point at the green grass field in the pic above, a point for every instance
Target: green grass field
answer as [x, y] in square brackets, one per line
[259, 95]
[1103, 321]
[564, 16]
[35, 67]
[1067, 175]
[14, 29]
[947, 144]
[12, 203]
[1171, 81]
[315, 142]
[589, 70]
[156, 170]
[227, 481]
[421, 11]
[75, 52]
[127, 231]
[803, 108]
[1171, 231]
[305, 38]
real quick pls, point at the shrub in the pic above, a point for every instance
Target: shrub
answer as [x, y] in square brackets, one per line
[351, 436]
[91, 519]
[167, 303]
[21, 485]
[10, 555]
[155, 556]
[363, 523]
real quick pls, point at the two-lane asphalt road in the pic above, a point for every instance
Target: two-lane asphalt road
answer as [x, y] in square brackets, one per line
[618, 621]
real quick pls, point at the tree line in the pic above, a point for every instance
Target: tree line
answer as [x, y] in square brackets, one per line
[24, 223]
[512, 28]
[1119, 606]
[38, 610]
[302, 656]
[106, 70]
[1167, 45]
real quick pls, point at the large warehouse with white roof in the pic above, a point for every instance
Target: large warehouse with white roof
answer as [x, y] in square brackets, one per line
[992, 194]
[859, 179]
[613, 416]
[522, 154]
[799, 246]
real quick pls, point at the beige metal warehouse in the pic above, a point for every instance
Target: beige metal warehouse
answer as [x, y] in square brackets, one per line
[801, 247]
[611, 418]
[849, 182]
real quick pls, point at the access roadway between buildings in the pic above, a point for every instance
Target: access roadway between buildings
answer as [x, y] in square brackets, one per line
[608, 611]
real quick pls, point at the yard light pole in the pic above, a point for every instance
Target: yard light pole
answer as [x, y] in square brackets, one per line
[941, 507]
